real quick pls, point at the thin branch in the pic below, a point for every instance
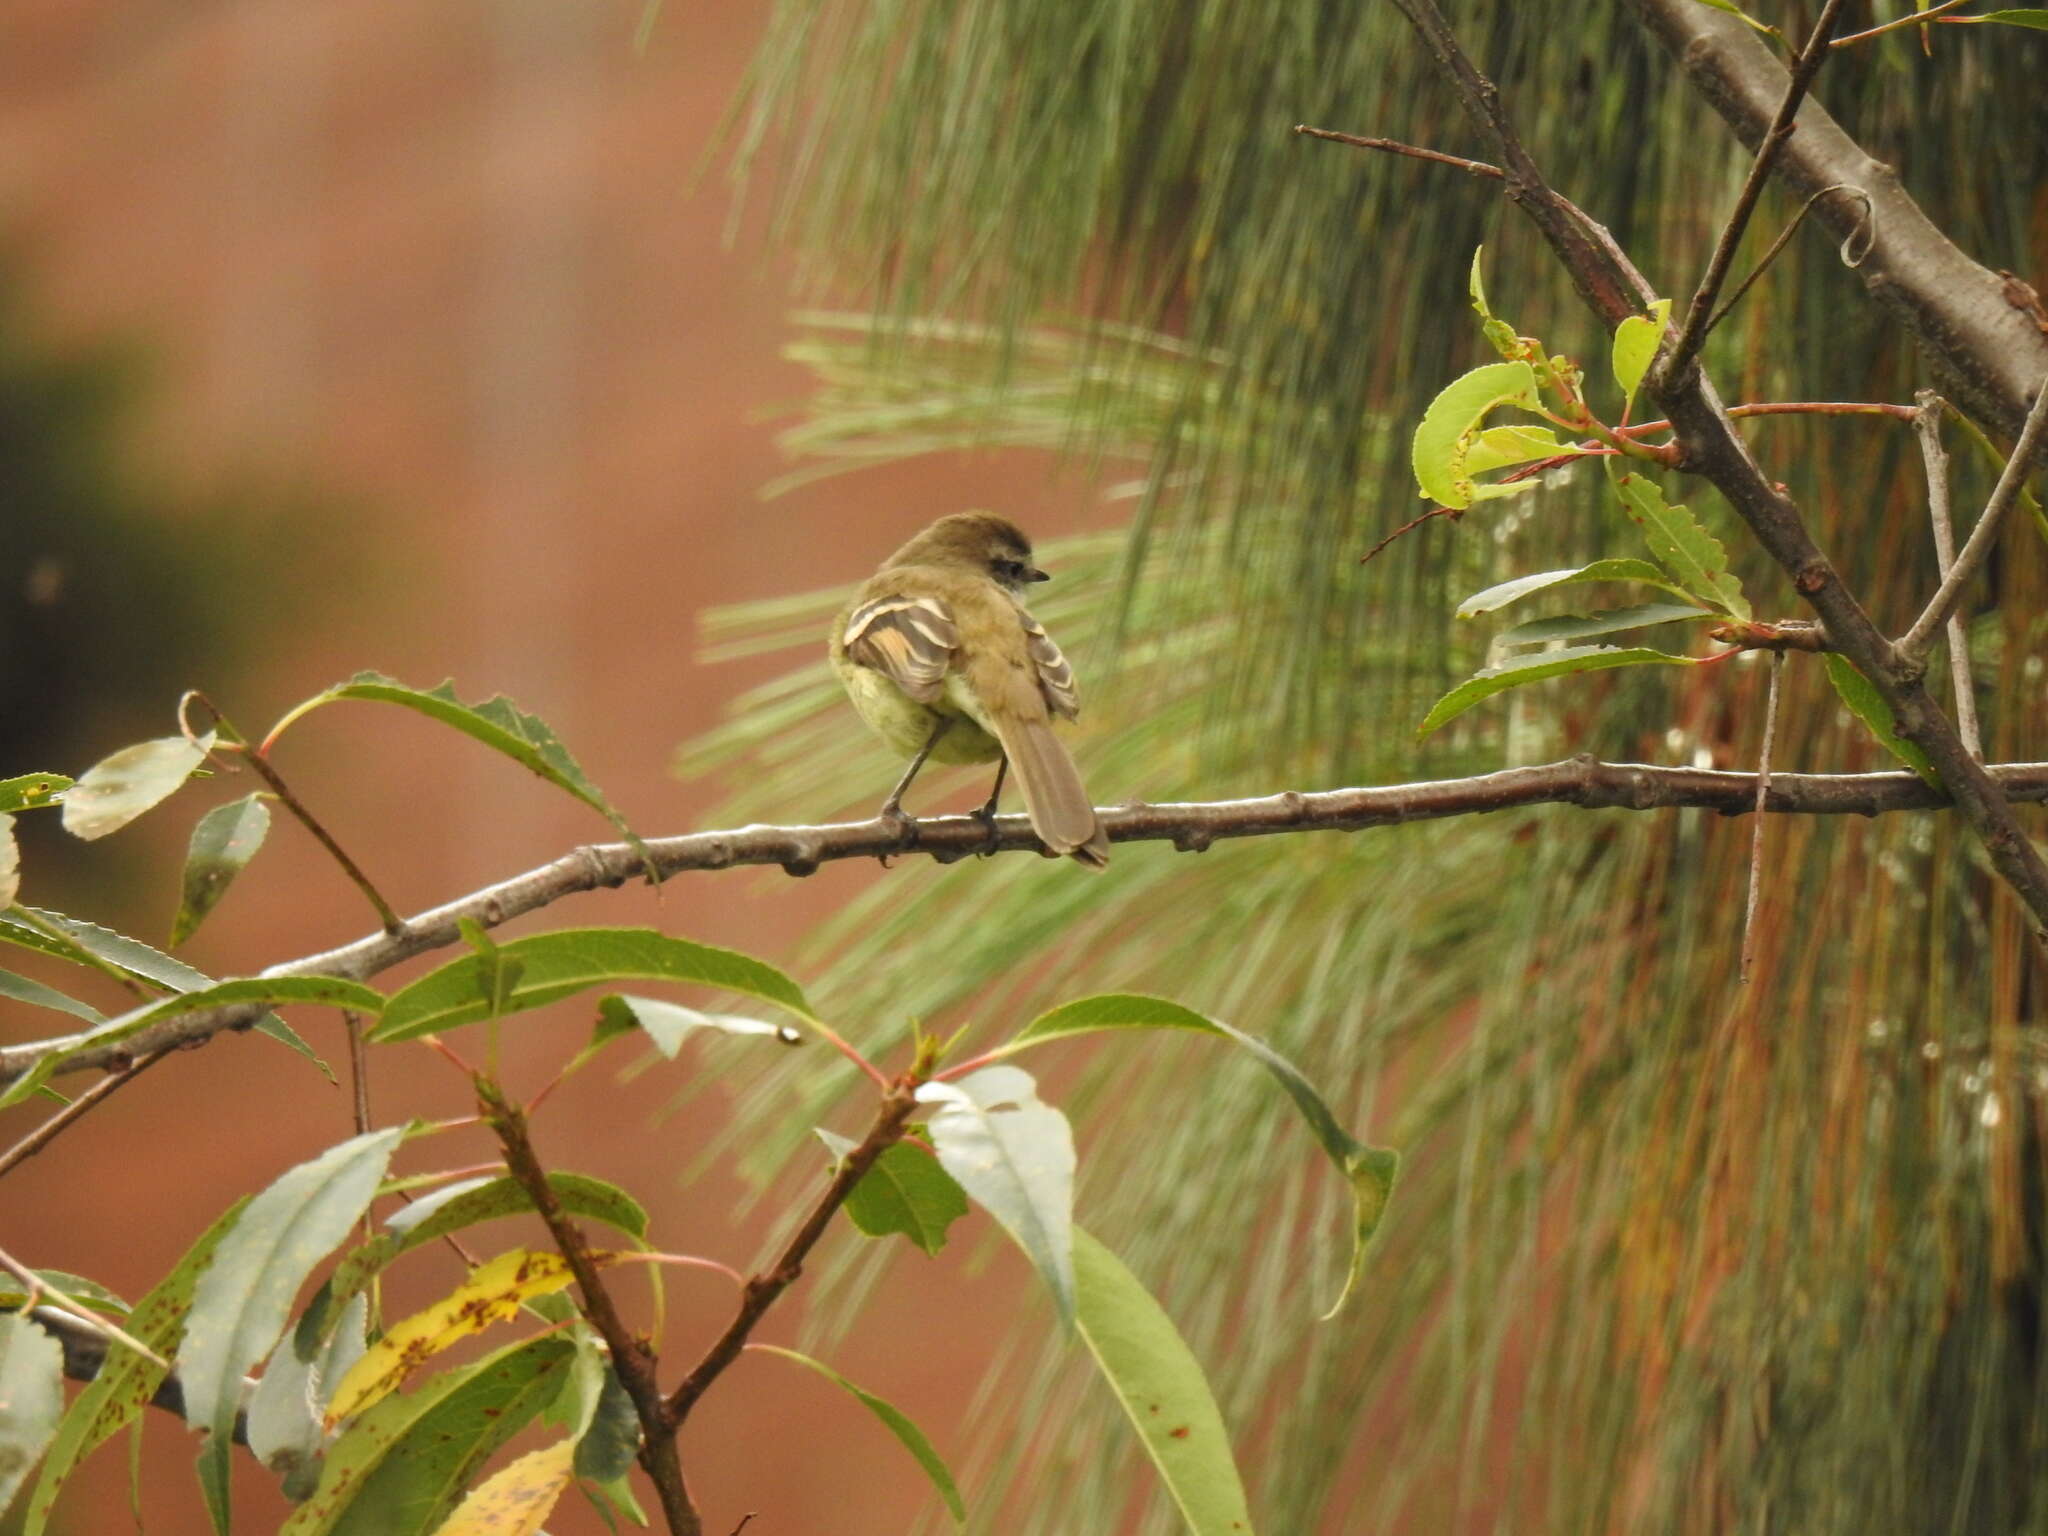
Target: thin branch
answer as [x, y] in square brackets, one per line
[1191, 826]
[763, 1290]
[632, 1358]
[270, 776]
[1453, 513]
[75, 1111]
[77, 1311]
[1987, 353]
[1904, 413]
[1977, 549]
[1756, 837]
[1927, 427]
[1396, 147]
[1781, 636]
[358, 1071]
[1914, 20]
[1785, 238]
[1714, 450]
[1687, 347]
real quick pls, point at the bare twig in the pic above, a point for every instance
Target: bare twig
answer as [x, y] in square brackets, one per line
[1927, 427]
[632, 1358]
[1904, 413]
[358, 1070]
[77, 1311]
[1756, 836]
[1784, 238]
[73, 1112]
[1782, 636]
[233, 741]
[765, 1288]
[393, 923]
[1687, 347]
[1453, 513]
[1190, 827]
[1396, 147]
[1977, 548]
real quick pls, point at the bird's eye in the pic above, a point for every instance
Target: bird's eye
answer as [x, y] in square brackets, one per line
[1014, 569]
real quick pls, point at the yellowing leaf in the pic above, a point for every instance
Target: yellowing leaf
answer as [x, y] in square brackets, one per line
[514, 1501]
[493, 1292]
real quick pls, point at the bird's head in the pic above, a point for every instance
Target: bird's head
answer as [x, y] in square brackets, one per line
[981, 541]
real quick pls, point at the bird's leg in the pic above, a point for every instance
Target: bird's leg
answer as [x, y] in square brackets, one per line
[892, 808]
[987, 814]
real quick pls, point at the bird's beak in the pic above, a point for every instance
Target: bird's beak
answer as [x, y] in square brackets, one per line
[1033, 573]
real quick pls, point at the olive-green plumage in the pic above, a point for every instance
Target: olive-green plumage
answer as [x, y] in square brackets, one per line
[943, 661]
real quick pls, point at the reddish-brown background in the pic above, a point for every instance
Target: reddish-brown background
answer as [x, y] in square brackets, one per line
[446, 269]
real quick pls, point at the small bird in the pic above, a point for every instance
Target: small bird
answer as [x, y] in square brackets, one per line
[943, 662]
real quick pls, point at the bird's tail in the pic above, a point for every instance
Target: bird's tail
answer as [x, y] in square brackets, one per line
[1054, 796]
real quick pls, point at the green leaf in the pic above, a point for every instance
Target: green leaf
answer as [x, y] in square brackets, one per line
[403, 1465]
[1449, 428]
[330, 990]
[897, 1423]
[1014, 1154]
[1368, 1170]
[117, 789]
[1636, 341]
[85, 943]
[1500, 447]
[608, 1445]
[497, 722]
[31, 1399]
[224, 841]
[453, 1209]
[242, 1301]
[905, 1190]
[1600, 570]
[88, 1293]
[270, 1024]
[1693, 556]
[284, 1420]
[558, 965]
[1584, 626]
[2027, 16]
[32, 791]
[668, 1025]
[21, 990]
[1162, 1390]
[496, 973]
[1537, 666]
[1868, 705]
[127, 1381]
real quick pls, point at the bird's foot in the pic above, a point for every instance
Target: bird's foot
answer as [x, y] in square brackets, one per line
[903, 824]
[986, 815]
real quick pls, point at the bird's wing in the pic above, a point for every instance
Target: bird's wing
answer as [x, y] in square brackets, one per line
[909, 640]
[1055, 677]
